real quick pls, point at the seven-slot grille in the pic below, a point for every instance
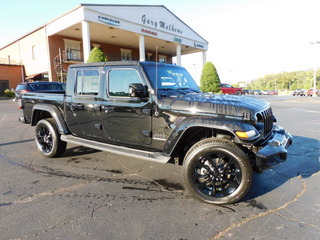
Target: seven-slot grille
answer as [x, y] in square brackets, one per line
[266, 117]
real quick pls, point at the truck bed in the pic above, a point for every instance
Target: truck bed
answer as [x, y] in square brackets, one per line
[31, 98]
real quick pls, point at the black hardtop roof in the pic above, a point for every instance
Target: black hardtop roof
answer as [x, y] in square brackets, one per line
[121, 63]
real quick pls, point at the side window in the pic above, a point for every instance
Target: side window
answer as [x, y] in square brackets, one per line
[119, 81]
[87, 82]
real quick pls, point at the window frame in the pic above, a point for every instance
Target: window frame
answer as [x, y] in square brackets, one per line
[106, 93]
[82, 81]
[162, 58]
[126, 54]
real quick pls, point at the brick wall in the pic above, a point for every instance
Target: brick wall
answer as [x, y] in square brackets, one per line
[13, 73]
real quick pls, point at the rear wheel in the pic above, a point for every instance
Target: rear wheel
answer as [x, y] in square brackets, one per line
[48, 139]
[217, 171]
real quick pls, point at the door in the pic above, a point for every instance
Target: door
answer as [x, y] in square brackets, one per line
[125, 120]
[83, 107]
[4, 85]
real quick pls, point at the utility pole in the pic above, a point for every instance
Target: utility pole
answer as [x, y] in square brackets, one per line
[315, 75]
[314, 82]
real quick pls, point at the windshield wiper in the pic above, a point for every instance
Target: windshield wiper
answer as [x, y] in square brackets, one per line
[164, 89]
[188, 89]
[173, 90]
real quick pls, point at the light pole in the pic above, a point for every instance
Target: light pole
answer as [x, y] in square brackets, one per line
[315, 75]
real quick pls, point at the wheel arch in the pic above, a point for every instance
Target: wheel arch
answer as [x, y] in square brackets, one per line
[182, 140]
[42, 111]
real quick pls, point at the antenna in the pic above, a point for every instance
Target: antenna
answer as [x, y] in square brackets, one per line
[156, 88]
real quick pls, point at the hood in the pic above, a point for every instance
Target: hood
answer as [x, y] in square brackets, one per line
[204, 103]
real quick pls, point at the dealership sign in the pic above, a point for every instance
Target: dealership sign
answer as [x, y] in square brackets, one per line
[160, 24]
[149, 32]
[179, 40]
[109, 21]
[198, 45]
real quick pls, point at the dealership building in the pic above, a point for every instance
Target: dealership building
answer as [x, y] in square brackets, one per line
[123, 32]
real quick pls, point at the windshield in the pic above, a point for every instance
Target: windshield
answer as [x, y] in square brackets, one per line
[168, 77]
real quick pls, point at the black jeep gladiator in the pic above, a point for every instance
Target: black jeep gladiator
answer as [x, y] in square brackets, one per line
[156, 112]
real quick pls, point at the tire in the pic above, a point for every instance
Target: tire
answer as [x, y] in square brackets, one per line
[219, 163]
[238, 93]
[48, 140]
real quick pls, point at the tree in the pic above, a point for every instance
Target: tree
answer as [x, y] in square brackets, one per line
[97, 55]
[210, 81]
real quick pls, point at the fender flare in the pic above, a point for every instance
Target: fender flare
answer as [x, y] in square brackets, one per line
[226, 125]
[54, 112]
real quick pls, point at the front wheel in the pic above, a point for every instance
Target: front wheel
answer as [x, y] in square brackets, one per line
[217, 171]
[48, 140]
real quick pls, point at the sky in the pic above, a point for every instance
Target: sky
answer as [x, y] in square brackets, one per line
[247, 38]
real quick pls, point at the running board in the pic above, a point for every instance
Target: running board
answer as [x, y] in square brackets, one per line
[145, 155]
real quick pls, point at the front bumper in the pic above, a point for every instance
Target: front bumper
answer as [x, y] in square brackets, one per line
[275, 151]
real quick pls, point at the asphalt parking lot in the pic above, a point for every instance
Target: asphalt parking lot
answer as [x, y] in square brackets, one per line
[89, 194]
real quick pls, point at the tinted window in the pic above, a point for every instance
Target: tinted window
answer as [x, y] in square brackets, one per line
[46, 86]
[87, 82]
[119, 81]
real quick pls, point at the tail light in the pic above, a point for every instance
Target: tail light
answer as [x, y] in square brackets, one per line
[23, 91]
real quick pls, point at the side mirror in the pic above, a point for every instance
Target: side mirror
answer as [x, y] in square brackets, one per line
[137, 90]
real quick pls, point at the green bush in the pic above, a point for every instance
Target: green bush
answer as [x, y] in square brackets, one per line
[8, 93]
[96, 55]
[210, 81]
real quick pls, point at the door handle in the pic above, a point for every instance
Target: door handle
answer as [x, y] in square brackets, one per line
[79, 105]
[97, 107]
[109, 109]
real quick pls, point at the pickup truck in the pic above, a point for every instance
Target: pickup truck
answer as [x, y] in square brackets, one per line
[228, 89]
[156, 112]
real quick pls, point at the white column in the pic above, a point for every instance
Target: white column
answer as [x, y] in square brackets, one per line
[178, 50]
[204, 58]
[48, 54]
[142, 50]
[85, 40]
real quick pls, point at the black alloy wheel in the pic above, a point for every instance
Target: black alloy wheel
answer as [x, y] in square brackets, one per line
[45, 139]
[217, 171]
[48, 140]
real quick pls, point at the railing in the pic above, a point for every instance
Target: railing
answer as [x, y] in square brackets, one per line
[72, 55]
[113, 57]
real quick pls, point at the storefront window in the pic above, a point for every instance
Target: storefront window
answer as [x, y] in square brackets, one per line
[126, 54]
[72, 49]
[162, 58]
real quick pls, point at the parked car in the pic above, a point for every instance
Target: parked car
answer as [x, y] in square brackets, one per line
[43, 87]
[273, 92]
[310, 92]
[228, 89]
[299, 92]
[247, 92]
[257, 92]
[265, 92]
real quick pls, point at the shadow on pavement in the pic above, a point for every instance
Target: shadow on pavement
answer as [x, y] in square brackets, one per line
[303, 160]
[16, 142]
[79, 150]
